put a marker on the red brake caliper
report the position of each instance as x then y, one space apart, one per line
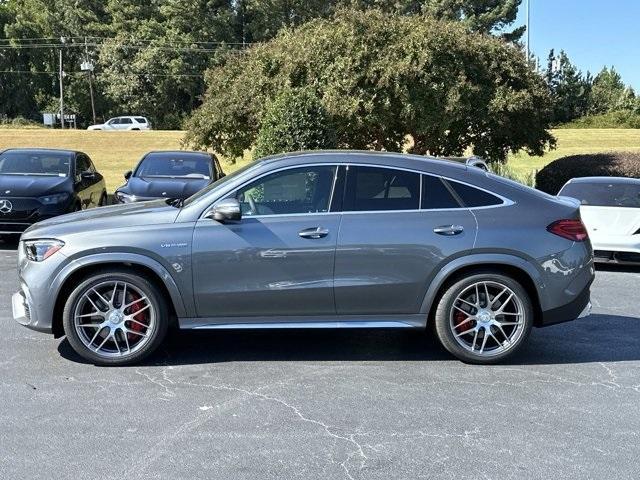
141 317
460 317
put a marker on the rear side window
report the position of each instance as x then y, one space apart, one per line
141 119
373 188
474 197
436 195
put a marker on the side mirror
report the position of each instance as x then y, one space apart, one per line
225 210
87 175
128 174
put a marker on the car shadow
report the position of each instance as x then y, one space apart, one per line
598 338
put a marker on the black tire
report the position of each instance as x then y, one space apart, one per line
445 309
154 296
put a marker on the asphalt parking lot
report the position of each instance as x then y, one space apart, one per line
324 405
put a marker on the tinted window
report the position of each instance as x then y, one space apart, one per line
114 121
604 194
34 163
474 197
125 120
373 188
82 164
299 190
175 164
436 195
141 120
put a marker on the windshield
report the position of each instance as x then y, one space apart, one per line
604 194
173 165
15 162
218 183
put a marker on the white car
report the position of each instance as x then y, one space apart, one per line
123 123
610 209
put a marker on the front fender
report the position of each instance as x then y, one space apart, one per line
124 258
479 260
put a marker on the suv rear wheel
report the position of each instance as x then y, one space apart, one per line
484 318
115 318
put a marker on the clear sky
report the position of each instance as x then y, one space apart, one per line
594 33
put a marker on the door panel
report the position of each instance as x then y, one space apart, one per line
262 266
385 260
388 249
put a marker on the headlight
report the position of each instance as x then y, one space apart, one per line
125 197
39 250
53 199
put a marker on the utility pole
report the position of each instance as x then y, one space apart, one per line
528 53
87 65
61 74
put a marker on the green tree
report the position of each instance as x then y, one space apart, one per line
48 21
608 92
153 63
295 120
261 20
384 79
570 89
483 16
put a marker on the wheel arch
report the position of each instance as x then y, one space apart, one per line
67 280
514 267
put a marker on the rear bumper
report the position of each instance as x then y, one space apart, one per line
579 307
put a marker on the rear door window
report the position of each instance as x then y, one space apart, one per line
474 197
435 194
376 189
141 120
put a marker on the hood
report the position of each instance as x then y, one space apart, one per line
102 218
154 187
601 221
33 185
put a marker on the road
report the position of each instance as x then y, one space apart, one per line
328 405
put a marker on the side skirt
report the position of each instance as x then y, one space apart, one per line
346 321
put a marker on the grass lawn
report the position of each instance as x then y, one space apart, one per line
116 152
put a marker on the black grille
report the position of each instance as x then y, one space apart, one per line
13 227
628 257
603 254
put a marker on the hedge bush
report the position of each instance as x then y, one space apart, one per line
619 119
295 120
614 164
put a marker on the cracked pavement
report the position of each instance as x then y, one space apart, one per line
328 404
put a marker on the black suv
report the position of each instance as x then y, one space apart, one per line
36 184
169 174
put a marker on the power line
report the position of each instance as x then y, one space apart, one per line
121 46
56 41
120 74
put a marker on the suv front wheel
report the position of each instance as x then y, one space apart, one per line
115 318
484 318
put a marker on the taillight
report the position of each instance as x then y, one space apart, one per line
571 229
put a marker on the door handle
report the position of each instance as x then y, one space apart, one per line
449 230
314 232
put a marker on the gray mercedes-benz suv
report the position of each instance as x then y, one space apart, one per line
313 240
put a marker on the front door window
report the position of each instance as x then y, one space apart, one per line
292 191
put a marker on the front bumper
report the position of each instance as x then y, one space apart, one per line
24 312
616 248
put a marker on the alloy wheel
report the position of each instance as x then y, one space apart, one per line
487 318
114 319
